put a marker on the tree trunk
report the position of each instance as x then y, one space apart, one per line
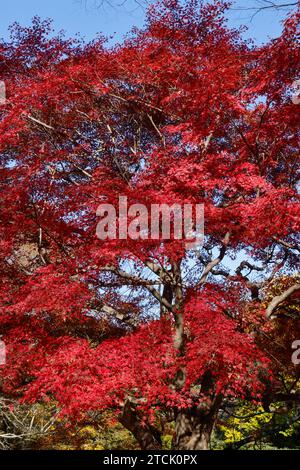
147 437
193 429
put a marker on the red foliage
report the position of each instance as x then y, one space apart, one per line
142 365
184 111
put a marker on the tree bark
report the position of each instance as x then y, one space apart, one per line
193 429
194 426
147 436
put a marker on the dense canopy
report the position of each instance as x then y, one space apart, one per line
183 111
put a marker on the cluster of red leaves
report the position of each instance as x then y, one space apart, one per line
185 111
141 365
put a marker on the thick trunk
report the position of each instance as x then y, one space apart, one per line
193 429
147 437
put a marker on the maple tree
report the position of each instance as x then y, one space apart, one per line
183 111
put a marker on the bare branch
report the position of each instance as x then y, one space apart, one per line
281 298
215 261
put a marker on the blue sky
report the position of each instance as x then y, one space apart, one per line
76 16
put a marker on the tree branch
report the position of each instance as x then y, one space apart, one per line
281 298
